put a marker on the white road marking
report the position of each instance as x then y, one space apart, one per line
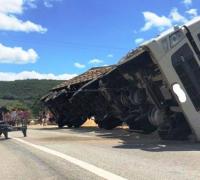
89 167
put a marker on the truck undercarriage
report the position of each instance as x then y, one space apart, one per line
136 93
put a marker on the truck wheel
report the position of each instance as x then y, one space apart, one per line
69 125
110 122
76 126
176 129
110 126
100 125
77 122
147 127
60 125
141 124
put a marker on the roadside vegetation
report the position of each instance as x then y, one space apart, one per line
25 94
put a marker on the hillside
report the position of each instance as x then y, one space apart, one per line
25 93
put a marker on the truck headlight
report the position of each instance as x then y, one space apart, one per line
179 92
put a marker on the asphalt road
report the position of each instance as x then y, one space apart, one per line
90 153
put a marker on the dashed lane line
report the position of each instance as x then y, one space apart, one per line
84 165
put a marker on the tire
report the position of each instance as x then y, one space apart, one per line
77 126
69 125
100 125
60 122
60 125
110 122
110 126
176 129
78 122
142 125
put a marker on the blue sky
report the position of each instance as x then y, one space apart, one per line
56 39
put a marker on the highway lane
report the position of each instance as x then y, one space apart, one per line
120 153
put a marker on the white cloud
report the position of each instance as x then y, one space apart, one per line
110 55
95 61
192 12
49 3
139 40
11 23
8 20
10 76
153 20
176 16
17 55
31 3
11 6
78 65
187 2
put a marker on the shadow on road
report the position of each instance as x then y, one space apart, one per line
159 145
132 140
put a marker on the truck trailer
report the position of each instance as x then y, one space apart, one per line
58 101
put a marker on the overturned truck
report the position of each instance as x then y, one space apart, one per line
58 100
155 87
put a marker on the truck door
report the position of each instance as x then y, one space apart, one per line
188 70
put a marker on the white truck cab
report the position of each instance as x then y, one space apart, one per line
177 53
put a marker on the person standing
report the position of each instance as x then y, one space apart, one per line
7 117
26 116
44 119
13 115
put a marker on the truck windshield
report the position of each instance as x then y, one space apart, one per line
188 71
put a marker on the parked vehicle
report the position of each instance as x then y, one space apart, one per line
6 126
